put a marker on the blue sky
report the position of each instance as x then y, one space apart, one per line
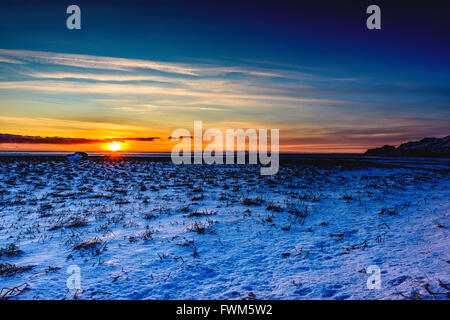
143 69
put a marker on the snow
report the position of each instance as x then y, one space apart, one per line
149 229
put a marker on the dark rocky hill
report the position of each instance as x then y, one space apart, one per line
427 147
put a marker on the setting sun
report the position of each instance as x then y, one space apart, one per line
114 146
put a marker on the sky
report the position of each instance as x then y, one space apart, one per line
138 70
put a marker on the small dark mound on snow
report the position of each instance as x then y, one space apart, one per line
427 147
77 156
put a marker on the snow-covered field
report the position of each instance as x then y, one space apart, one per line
141 229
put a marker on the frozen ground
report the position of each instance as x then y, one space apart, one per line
142 229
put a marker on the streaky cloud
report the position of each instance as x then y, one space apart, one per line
22 139
125 64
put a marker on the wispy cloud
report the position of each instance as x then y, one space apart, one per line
145 89
207 87
125 64
103 98
94 62
84 128
8 60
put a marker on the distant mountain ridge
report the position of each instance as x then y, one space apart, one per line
427 147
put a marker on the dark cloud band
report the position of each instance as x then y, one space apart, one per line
20 139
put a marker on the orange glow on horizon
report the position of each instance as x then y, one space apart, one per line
166 146
114 146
